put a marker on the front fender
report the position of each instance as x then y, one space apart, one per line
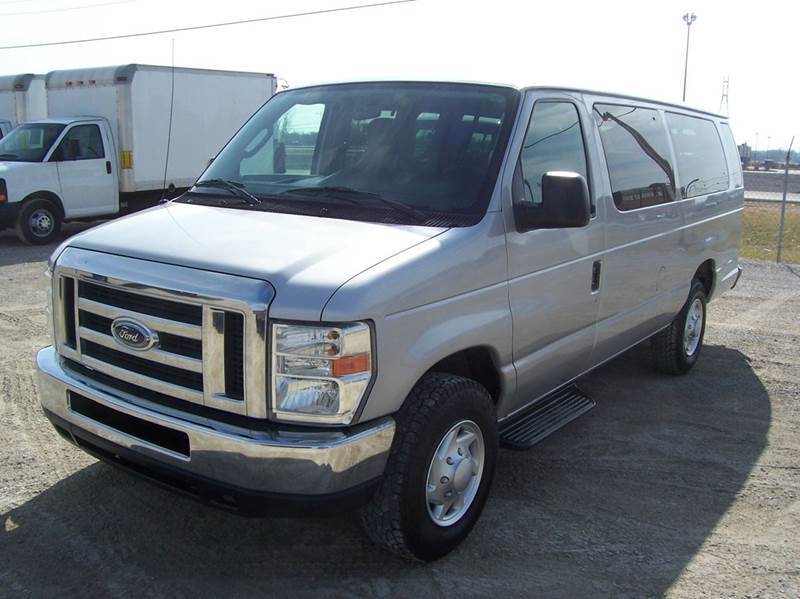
444 295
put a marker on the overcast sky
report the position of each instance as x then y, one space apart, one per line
630 47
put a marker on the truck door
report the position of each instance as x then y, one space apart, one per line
86 171
554 274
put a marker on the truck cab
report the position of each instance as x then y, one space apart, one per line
54 170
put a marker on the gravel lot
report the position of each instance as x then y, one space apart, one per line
679 486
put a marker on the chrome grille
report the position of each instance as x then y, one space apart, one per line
211 350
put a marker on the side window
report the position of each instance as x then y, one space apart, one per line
701 161
732 150
554 142
297 132
287 148
636 149
82 142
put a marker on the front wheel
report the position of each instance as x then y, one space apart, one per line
440 469
39 222
676 349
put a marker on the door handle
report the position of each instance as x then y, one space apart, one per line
108 166
596 276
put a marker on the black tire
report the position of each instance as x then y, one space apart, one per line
670 355
397 518
33 230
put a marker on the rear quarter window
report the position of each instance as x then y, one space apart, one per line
702 166
732 151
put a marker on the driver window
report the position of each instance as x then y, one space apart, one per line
82 142
554 142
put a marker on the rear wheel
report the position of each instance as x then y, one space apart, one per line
440 470
676 349
39 222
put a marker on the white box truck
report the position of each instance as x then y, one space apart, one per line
119 138
22 98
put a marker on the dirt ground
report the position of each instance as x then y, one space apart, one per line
687 487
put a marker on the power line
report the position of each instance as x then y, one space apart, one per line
209 26
68 8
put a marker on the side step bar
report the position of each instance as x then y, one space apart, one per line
544 417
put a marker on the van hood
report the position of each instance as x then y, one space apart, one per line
305 258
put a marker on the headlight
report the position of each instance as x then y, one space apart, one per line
320 373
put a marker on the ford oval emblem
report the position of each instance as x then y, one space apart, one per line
133 334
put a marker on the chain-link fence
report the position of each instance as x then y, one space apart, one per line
761 231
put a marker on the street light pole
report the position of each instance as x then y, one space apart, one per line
688 18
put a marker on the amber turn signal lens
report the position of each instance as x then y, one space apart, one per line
3 197
351 365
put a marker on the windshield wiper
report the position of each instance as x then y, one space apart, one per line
351 195
234 187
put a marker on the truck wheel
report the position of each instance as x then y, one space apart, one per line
440 469
676 348
39 222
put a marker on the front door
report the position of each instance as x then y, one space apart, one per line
86 172
554 274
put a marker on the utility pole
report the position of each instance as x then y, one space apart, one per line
688 18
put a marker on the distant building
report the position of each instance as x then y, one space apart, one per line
744 152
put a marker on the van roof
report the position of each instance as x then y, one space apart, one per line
624 97
529 88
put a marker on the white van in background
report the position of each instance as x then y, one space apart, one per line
22 98
117 138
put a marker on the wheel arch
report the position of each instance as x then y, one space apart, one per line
478 363
45 195
706 273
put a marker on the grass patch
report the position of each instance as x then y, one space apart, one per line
760 224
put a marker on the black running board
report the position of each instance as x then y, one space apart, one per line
545 417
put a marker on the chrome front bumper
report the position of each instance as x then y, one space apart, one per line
285 461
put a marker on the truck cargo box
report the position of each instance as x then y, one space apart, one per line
22 98
207 108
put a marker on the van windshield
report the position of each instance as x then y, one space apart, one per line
29 143
422 153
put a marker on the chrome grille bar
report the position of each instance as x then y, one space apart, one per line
141 380
157 355
181 329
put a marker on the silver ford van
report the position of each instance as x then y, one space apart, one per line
374 286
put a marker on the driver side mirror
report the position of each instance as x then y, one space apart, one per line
564 204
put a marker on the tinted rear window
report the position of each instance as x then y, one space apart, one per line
637 150
701 161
